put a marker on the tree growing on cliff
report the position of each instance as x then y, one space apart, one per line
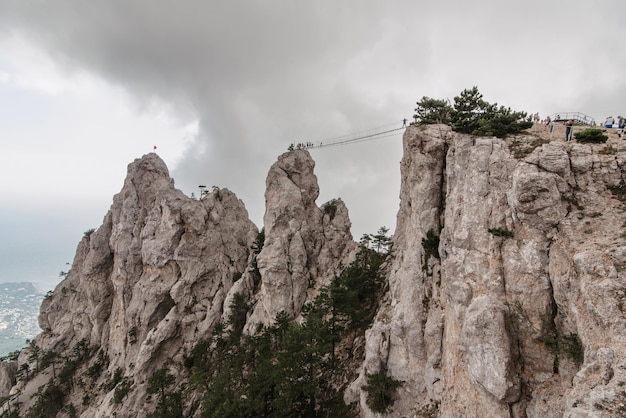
471 114
379 242
170 402
291 369
591 135
475 116
470 111
380 390
430 111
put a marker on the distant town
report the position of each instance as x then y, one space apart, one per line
19 310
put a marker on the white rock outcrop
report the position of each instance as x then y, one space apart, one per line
528 325
145 286
305 246
162 270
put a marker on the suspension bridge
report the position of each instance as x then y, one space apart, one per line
371 134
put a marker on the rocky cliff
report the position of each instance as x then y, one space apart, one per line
504 293
520 312
159 274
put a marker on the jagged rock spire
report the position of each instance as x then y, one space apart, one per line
147 285
304 245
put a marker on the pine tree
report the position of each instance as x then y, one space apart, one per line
471 114
431 111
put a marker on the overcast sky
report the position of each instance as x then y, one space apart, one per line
222 88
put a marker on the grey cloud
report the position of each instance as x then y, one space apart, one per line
258 75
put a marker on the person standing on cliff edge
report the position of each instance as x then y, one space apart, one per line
568 130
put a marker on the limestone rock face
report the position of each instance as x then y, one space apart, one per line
489 357
304 245
7 377
522 315
145 286
505 291
162 271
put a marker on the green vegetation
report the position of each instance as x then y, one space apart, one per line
560 344
429 411
102 361
380 389
591 135
330 208
8 403
49 358
430 111
619 191
379 242
170 404
49 401
132 335
471 114
34 354
115 379
12 356
121 390
257 247
521 147
431 245
608 150
88 232
500 232
554 340
50 398
290 369
570 345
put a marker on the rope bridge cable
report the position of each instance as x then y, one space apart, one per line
378 128
365 138
354 137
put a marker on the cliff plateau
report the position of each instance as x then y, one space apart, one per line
504 293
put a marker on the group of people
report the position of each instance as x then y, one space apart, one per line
534 117
608 124
569 125
302 145
548 122
621 122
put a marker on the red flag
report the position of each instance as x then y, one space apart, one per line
155 147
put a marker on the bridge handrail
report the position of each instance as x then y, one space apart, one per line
574 116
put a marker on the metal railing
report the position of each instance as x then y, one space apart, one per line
575 117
